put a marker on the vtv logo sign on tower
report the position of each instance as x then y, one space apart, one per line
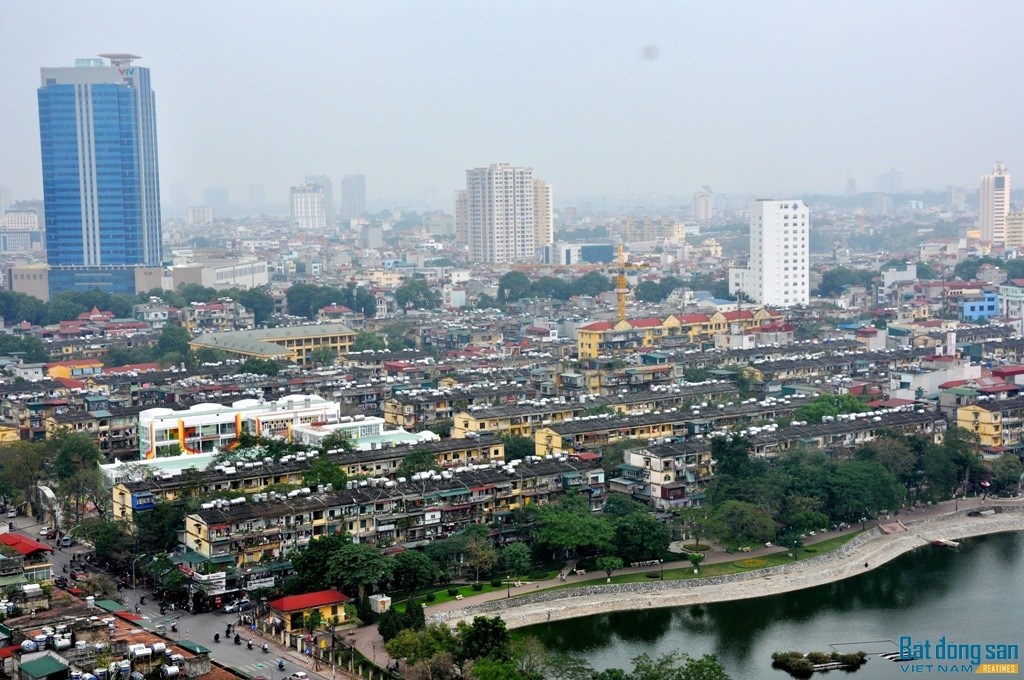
127 71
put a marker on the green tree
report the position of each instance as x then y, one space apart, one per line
313 564
620 505
591 284
300 299
640 537
737 522
551 287
29 349
366 340
75 451
173 340
480 556
157 529
515 558
609 565
194 292
677 666
260 302
22 465
417 460
517 446
359 566
322 355
260 366
1006 472
485 637
648 291
416 294
485 301
834 280
859 487
513 286
829 405
324 471
695 559
569 526
413 570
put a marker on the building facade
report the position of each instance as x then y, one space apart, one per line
994 204
353 196
703 206
325 184
544 212
777 272
308 211
206 428
500 208
97 128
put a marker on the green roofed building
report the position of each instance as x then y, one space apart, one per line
45 667
291 343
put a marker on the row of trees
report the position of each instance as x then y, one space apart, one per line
516 286
68 305
306 300
806 490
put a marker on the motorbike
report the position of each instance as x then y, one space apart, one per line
249 644
142 600
216 637
280 665
266 649
174 627
238 639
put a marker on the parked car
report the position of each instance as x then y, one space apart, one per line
67 542
45 530
299 675
13 512
52 533
237 606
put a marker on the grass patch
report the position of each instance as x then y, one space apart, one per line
725 568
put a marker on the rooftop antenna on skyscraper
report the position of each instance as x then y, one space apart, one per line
119 59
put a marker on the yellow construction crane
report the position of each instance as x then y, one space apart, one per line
621 284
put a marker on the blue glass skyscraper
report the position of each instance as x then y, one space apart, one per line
97 128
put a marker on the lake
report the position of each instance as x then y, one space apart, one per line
972 596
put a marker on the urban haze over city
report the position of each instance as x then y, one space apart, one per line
380 330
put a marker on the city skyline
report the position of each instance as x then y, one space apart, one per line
825 104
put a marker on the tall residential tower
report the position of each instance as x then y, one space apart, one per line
101 182
994 204
307 207
500 212
778 270
353 196
543 212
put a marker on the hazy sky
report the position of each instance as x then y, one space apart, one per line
599 97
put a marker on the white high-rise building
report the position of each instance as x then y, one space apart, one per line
325 183
544 212
703 206
460 208
198 216
308 207
777 272
6 199
994 204
500 211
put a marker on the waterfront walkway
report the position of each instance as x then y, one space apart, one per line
948 520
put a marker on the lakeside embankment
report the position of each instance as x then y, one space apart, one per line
866 551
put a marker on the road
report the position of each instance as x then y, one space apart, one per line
198 628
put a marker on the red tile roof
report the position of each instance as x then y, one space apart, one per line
645 323
294 603
599 326
693 318
738 314
24 545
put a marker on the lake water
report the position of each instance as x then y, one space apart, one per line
973 596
